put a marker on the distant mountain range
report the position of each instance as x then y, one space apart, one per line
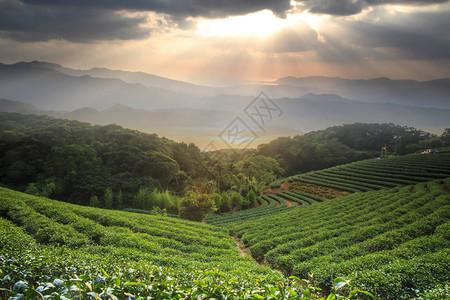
48 88
434 93
194 113
52 86
201 126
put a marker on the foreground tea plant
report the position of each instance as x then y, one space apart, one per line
212 284
55 250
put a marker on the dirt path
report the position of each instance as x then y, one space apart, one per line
312 189
270 191
243 251
285 185
288 202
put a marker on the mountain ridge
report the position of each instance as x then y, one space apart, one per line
431 93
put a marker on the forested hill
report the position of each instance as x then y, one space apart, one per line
347 143
113 167
71 161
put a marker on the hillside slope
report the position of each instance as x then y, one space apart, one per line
327 184
394 242
43 239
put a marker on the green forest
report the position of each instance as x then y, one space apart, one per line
113 167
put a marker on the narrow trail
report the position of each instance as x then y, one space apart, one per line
243 250
285 185
313 190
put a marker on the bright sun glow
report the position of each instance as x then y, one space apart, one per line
262 23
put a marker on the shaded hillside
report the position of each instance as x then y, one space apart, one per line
73 161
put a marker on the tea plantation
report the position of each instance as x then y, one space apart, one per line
375 174
362 176
393 242
388 233
54 248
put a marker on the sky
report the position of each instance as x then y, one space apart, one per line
221 42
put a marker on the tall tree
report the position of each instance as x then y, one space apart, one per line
108 198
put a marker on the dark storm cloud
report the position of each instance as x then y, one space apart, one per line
37 23
335 7
184 8
88 20
351 7
379 35
425 36
93 20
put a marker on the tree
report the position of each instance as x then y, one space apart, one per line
119 200
180 181
260 167
108 198
94 202
196 206
141 199
252 198
225 204
32 190
446 136
41 190
217 200
236 200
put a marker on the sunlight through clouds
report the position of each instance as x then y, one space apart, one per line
261 23
235 39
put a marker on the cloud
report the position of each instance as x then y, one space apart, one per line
335 7
351 7
98 20
87 20
418 35
37 23
185 8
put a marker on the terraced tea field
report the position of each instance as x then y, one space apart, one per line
43 239
382 224
394 242
375 174
389 229
362 176
269 205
